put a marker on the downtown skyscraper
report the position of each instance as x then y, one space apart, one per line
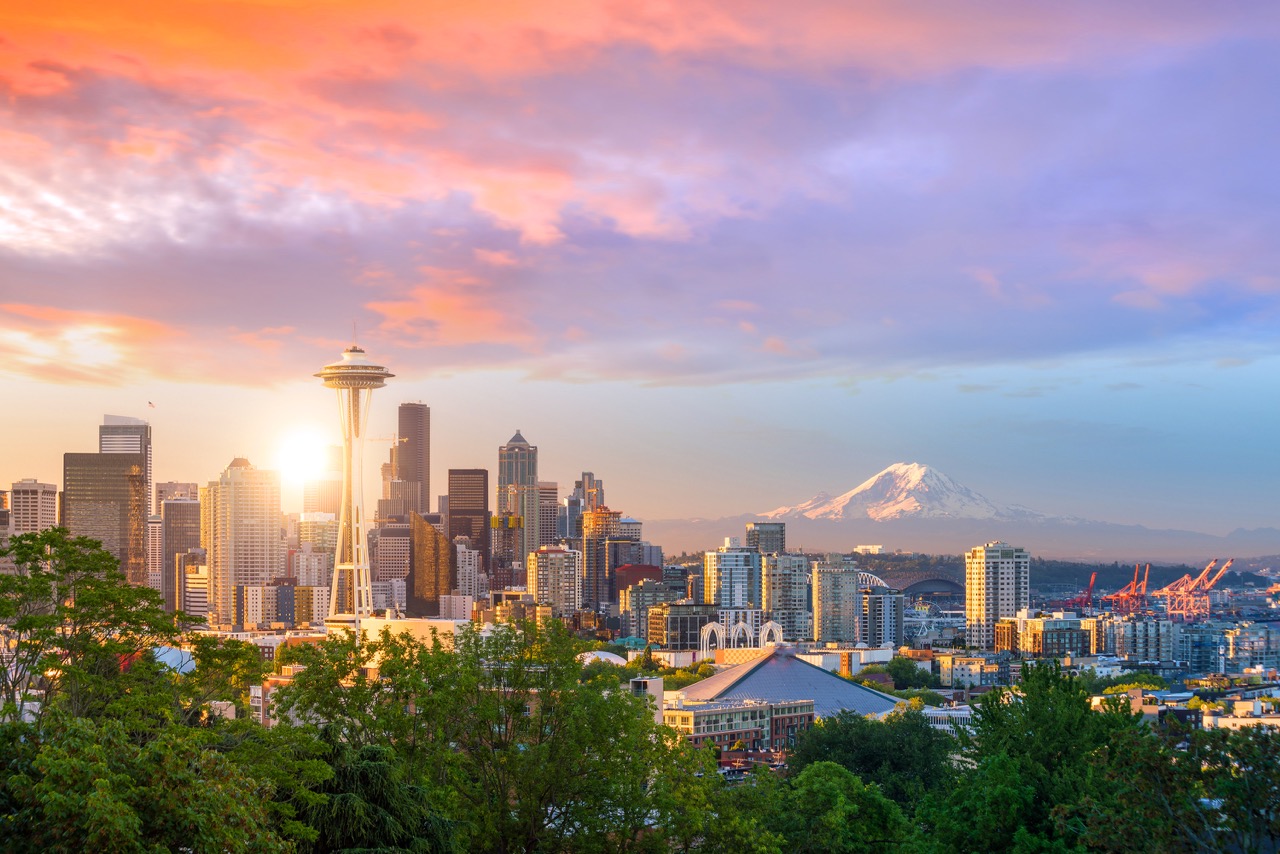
120 434
598 527
469 515
104 497
179 535
241 532
413 454
518 499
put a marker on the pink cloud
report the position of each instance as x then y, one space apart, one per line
453 309
496 257
391 149
63 345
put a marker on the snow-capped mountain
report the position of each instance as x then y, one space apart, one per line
912 506
903 490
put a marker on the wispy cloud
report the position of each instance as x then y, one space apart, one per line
722 192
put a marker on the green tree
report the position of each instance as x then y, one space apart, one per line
902 754
224 671
1032 748
985 811
826 808
528 756
1240 772
907 674
89 786
69 623
1146 798
370 803
740 818
289 765
1094 684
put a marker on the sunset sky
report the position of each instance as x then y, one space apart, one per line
723 254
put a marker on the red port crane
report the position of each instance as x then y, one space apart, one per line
1132 598
1083 602
1188 598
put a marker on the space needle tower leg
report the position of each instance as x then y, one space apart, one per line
354 378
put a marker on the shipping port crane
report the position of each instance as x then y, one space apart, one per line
1188 598
1083 602
1132 598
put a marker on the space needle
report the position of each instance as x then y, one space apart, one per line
351 592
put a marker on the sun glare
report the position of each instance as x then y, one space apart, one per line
301 455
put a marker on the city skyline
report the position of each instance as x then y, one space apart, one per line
727 259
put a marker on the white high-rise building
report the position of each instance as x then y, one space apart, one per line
195 597
155 551
786 594
997 582
555 579
243 536
33 506
471 578
837 602
390 552
732 576
548 512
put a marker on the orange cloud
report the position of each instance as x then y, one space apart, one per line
261 60
269 38
61 345
454 309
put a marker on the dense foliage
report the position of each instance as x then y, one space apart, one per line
507 743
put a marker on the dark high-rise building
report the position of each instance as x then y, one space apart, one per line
679 626
105 497
768 538
120 434
469 509
413 454
433 568
179 533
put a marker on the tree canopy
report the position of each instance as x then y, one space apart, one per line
503 741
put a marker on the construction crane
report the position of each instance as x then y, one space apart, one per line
1188 598
1132 598
1083 602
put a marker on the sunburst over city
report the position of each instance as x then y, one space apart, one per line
927 354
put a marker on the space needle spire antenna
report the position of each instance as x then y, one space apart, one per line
351 592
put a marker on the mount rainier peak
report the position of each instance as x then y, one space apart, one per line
903 490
